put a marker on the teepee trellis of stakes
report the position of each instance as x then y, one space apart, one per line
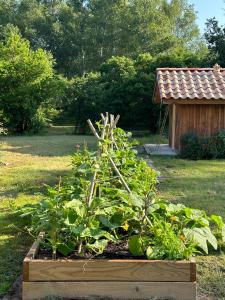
106 132
109 123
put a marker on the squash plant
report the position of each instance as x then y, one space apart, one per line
111 198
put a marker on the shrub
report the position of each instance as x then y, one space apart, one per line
191 146
123 86
43 118
217 144
83 99
196 147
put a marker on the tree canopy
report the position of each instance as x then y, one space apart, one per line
106 52
81 35
215 36
123 86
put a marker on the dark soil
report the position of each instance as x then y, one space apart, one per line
112 251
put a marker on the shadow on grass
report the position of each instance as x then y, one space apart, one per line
58 145
36 183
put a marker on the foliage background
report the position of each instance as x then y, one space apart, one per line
106 53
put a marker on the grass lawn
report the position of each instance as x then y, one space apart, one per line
38 160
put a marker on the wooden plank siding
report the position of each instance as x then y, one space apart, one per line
198 118
110 270
170 124
110 290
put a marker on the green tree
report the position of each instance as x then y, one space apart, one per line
182 18
82 34
26 81
7 11
83 100
215 36
125 86
128 86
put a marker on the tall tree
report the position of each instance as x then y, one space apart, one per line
82 34
26 81
182 17
215 36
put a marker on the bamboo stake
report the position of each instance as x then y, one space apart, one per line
93 129
93 181
112 127
110 122
92 188
103 117
116 121
104 127
119 174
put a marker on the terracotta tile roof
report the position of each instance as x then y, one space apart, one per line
187 83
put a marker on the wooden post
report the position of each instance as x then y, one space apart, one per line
173 125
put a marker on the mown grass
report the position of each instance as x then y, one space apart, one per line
199 184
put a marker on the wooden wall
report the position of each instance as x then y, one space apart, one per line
204 119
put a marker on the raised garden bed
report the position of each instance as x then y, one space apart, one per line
107 279
102 224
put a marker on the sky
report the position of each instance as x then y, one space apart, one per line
208 9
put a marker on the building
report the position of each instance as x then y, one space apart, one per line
195 99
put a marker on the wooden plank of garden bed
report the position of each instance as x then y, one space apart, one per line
110 290
109 270
34 248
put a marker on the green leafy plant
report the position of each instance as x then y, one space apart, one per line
191 146
110 198
217 144
196 147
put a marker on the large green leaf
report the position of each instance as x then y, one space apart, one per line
210 237
198 236
135 244
114 221
65 249
175 208
98 246
98 233
155 252
77 206
78 230
218 220
136 200
71 217
104 220
201 236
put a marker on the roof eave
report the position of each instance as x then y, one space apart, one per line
193 101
